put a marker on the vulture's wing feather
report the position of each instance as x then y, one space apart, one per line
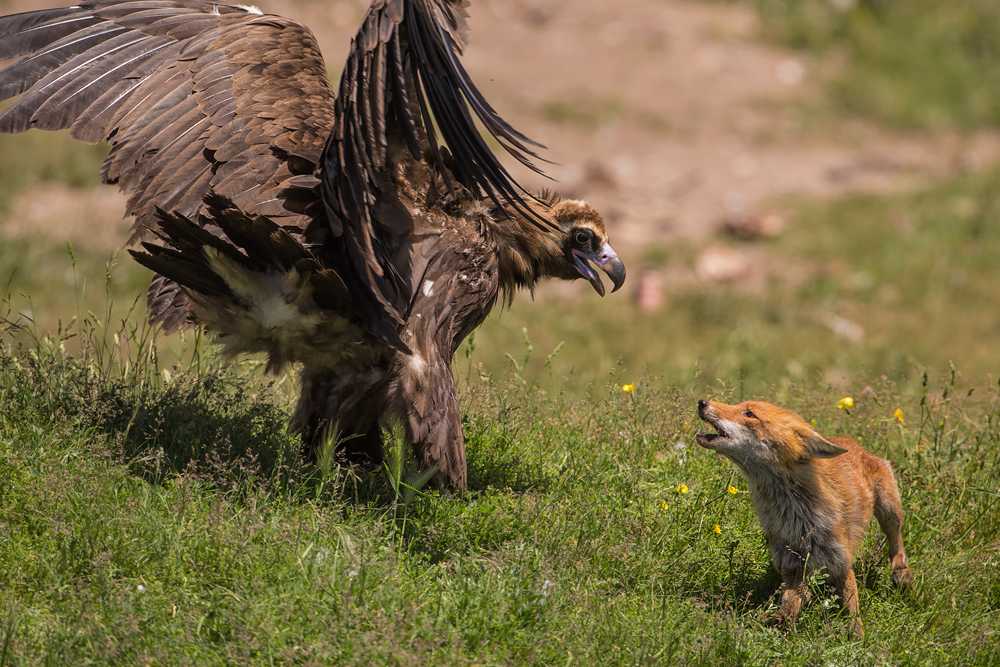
169 262
403 82
259 291
192 96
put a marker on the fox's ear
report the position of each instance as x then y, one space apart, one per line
816 446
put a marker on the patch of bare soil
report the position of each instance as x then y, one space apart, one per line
670 115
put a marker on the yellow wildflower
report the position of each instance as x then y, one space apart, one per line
664 506
898 414
687 427
682 488
628 387
846 403
716 529
732 489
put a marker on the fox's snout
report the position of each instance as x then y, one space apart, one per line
710 415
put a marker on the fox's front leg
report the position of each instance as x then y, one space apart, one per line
793 594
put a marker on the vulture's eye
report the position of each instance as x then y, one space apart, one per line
583 236
749 415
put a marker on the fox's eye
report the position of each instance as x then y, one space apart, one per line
749 415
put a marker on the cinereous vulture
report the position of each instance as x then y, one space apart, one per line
361 235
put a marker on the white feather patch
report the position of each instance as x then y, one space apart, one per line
417 364
250 9
428 288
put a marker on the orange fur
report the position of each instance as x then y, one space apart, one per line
813 496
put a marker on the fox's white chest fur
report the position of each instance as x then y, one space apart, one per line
797 521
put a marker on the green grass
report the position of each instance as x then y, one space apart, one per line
153 509
167 522
914 64
916 272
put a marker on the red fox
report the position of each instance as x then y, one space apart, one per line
813 496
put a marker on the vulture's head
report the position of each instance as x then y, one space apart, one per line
583 244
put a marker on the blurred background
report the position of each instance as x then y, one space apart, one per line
802 190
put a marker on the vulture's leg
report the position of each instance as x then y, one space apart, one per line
344 409
425 393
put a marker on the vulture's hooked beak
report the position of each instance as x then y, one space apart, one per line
608 260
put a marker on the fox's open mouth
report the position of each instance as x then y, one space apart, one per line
705 439
708 415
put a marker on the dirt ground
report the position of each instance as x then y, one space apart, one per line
672 116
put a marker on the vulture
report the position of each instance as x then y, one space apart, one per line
360 234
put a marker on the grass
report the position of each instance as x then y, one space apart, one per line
914 64
153 509
914 273
152 521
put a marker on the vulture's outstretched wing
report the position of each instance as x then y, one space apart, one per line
192 97
403 82
197 97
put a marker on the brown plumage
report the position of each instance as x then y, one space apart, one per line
345 233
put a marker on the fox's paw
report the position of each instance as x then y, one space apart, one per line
779 621
902 578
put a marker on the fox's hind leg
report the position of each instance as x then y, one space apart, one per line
889 512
